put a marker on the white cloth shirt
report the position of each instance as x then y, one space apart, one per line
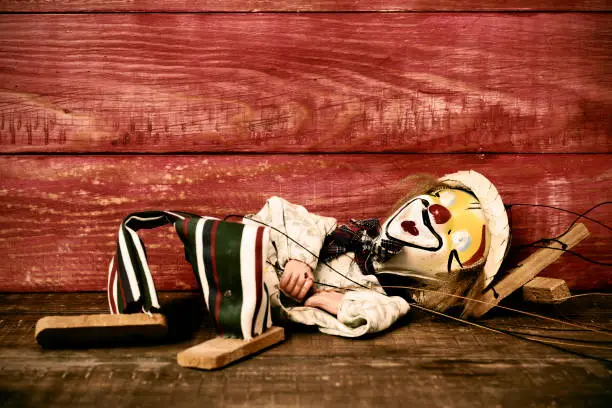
361 310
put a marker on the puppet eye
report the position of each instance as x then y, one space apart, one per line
461 240
447 198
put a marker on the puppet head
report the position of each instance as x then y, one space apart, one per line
456 228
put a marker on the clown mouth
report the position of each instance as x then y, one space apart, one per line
481 249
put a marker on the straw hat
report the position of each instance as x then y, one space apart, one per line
494 212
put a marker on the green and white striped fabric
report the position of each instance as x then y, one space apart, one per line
228 260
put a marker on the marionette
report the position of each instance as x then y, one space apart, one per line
441 246
448 234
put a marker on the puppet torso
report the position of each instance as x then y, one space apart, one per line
298 234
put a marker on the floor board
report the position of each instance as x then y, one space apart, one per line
422 361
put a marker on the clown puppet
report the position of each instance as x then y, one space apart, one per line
448 235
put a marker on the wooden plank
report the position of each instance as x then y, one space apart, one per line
98 329
311 381
375 82
528 269
298 6
219 352
59 214
478 368
545 290
184 314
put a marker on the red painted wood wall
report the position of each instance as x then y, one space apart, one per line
110 107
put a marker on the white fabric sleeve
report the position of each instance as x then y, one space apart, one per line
360 312
308 229
367 311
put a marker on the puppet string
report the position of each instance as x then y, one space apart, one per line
507 332
563 322
447 294
414 288
580 215
513 309
569 251
509 208
298 243
537 338
540 335
529 337
563 248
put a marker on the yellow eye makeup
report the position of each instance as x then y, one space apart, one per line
464 221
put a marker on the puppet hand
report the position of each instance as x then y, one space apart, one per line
328 301
297 279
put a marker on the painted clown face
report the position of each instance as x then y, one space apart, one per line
441 232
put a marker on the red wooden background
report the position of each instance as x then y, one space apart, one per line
104 112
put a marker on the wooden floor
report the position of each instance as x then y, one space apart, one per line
423 361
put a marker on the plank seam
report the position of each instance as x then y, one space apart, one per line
311 153
297 12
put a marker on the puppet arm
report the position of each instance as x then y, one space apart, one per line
361 307
326 300
359 312
371 309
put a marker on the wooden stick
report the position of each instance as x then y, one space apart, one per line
525 272
219 352
57 331
545 290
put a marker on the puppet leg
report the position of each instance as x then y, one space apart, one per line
227 258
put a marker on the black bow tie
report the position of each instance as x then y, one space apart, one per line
360 237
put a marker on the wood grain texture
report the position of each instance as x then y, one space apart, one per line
59 215
545 290
219 352
95 329
298 5
376 82
421 359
